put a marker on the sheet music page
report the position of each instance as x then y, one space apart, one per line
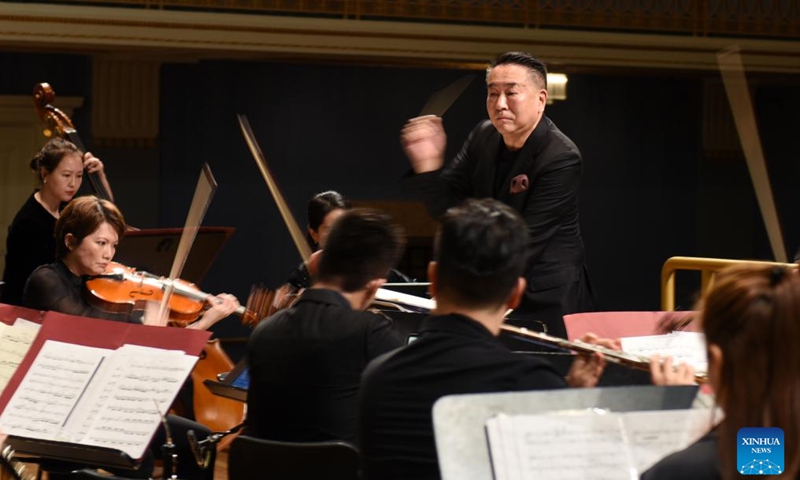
684 347
124 414
502 452
46 397
104 383
15 341
654 435
567 447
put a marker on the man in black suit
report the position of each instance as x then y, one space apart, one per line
521 158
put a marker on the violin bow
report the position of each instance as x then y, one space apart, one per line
733 77
303 248
203 193
294 229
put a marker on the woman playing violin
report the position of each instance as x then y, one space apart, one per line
59 168
86 237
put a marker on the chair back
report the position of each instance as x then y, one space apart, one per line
253 458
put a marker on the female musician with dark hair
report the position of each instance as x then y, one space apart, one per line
750 319
323 209
59 169
86 236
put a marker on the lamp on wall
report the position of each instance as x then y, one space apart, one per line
556 87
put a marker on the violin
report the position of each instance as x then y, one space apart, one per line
58 123
122 289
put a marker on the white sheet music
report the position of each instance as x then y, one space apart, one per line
116 403
684 347
15 341
47 395
576 446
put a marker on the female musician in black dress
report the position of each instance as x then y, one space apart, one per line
86 236
751 321
59 167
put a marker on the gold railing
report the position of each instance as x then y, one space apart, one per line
708 268
751 18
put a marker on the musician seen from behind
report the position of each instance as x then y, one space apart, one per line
86 235
306 362
480 254
59 169
521 158
750 320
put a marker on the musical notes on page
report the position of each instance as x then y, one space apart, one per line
684 347
50 390
15 341
588 444
97 397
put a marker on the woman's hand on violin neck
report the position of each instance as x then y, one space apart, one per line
220 306
93 164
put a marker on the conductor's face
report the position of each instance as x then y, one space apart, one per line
515 102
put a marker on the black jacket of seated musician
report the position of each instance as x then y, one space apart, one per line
453 355
305 368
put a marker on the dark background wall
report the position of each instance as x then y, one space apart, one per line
650 190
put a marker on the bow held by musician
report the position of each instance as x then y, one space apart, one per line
86 236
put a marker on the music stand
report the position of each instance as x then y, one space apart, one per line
153 250
233 385
459 420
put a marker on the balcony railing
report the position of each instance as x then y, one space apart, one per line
749 18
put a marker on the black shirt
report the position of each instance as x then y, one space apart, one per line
54 287
453 355
699 461
30 243
305 368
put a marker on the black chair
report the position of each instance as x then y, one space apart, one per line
253 458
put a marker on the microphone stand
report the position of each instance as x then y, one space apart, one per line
205 450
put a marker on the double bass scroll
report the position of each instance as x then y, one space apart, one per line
58 123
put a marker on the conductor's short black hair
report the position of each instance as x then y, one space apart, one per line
536 67
481 249
362 245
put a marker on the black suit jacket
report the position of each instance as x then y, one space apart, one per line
553 167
